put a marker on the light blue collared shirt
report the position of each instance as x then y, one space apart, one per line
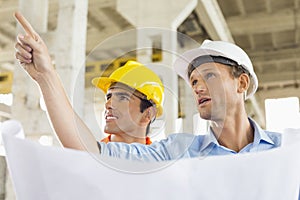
184 145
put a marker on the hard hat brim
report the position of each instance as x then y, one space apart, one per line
103 83
182 62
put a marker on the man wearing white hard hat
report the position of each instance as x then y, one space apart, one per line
221 76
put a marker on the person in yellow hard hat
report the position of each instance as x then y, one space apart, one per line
134 96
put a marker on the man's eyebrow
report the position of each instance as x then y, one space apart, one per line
118 94
122 94
203 71
212 69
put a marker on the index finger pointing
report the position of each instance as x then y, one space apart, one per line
25 24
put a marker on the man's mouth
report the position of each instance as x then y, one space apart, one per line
203 101
110 117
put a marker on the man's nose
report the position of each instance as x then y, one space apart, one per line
108 104
200 87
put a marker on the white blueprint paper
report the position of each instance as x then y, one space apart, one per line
54 173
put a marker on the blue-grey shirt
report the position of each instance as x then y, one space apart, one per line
184 145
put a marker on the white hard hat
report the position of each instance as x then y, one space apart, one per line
217 48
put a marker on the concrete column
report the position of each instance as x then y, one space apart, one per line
156 23
26 106
70 40
36 12
9 189
2 177
67 45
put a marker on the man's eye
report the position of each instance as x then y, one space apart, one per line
123 97
193 82
108 97
209 75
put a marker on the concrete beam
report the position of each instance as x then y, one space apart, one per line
213 20
99 42
260 23
241 7
279 78
279 92
274 56
115 18
7 8
101 3
171 13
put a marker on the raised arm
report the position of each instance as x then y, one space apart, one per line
32 53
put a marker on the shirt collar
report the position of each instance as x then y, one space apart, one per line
259 135
209 139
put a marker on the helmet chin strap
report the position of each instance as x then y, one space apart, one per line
154 110
154 116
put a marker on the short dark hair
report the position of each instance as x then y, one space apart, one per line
143 106
238 70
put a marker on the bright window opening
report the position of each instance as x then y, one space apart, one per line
282 113
6 99
200 126
46 140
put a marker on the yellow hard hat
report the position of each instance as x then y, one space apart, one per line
138 77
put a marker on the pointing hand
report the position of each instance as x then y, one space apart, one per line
31 51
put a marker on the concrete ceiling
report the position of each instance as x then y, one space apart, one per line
268 30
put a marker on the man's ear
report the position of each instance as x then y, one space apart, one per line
149 114
243 83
